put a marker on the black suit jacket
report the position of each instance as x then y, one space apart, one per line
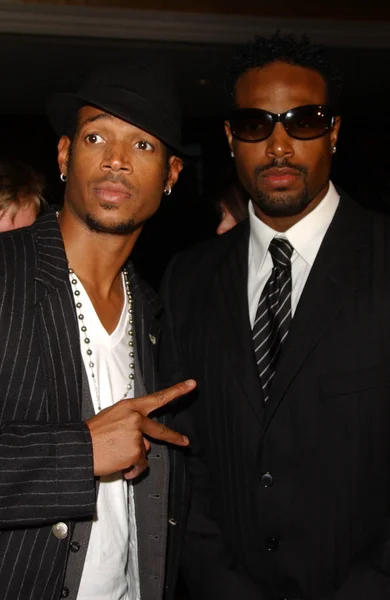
46 462
290 499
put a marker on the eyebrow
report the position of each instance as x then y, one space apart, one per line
98 117
104 115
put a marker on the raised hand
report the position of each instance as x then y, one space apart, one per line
118 431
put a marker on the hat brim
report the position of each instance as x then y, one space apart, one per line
62 108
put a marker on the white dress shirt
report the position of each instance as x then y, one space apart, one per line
305 237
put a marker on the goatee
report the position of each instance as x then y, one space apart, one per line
121 228
282 205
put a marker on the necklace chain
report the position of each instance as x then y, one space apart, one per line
87 341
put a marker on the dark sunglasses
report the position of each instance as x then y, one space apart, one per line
302 123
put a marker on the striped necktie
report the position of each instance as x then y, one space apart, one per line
273 314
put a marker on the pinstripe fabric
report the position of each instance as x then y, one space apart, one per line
46 466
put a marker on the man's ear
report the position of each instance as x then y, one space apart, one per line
334 133
63 154
229 135
175 166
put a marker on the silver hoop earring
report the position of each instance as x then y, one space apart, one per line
232 154
63 177
334 149
168 190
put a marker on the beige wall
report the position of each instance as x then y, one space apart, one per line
375 10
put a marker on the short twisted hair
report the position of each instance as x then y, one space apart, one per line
290 49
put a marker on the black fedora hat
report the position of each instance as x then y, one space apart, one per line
141 93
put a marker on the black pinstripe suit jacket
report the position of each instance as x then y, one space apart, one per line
46 464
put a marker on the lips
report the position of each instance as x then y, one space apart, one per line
283 177
112 192
280 172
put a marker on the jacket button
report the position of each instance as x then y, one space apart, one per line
271 544
60 530
267 479
74 546
172 521
64 592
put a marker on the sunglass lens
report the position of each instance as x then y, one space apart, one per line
251 125
308 122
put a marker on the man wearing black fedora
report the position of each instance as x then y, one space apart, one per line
90 504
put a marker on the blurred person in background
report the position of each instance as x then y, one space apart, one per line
232 202
21 195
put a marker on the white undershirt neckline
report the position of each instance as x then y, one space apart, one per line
111 565
102 342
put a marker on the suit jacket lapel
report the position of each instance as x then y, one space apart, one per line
232 309
58 322
333 277
146 311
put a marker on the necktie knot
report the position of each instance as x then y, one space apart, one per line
281 251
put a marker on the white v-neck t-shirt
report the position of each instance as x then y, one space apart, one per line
111 565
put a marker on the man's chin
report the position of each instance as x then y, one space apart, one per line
281 203
110 226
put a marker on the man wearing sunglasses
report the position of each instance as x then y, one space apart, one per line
285 324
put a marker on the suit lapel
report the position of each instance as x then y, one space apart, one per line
232 308
146 311
333 278
58 323
151 517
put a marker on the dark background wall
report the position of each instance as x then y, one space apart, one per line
348 9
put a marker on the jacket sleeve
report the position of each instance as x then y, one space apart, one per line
209 569
46 474
46 468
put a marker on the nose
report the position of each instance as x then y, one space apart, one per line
117 157
279 144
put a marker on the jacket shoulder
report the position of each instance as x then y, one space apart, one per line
357 211
199 262
17 250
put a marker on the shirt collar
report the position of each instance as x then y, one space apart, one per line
305 236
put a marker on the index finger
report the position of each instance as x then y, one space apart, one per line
152 402
161 432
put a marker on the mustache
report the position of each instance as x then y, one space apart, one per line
280 164
116 178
